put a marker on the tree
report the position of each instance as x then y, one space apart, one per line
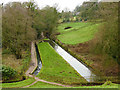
106 40
88 10
17 30
22 23
50 19
46 21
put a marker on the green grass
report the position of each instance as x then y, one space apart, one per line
100 86
18 84
44 85
74 25
55 68
79 33
46 39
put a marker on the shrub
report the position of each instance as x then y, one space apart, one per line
85 19
8 73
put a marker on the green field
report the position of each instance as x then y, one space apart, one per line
79 33
46 85
55 68
18 84
102 86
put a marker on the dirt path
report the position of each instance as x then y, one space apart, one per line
33 63
37 79
30 84
33 66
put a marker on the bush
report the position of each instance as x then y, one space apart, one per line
85 19
107 83
80 19
8 73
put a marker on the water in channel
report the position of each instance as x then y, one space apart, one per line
38 61
82 69
78 66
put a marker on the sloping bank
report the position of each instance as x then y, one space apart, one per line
55 68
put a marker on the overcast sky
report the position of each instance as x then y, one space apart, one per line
62 4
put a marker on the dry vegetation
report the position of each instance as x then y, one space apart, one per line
101 63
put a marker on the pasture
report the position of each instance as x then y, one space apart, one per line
79 33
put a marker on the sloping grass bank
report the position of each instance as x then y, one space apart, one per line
112 86
84 48
79 33
46 85
55 68
18 84
73 25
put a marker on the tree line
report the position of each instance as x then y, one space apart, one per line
106 39
23 23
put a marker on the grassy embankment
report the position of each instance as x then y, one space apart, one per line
45 85
48 67
79 33
78 40
77 36
55 68
112 85
18 84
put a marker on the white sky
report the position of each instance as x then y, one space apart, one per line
62 4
